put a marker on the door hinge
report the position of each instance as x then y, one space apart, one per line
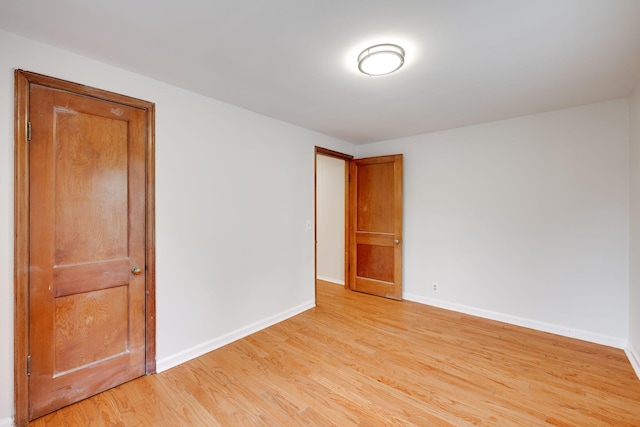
28 131
28 365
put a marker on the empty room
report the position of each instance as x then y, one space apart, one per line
250 212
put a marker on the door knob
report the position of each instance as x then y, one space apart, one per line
136 270
396 241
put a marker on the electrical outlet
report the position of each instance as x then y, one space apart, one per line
435 287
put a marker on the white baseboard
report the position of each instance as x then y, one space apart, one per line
331 280
526 323
634 358
6 422
200 349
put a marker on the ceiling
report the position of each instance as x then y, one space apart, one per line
467 61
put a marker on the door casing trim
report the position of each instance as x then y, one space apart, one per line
23 81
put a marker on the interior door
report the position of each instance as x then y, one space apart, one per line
376 226
86 246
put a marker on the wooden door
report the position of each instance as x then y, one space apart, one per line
376 226
87 174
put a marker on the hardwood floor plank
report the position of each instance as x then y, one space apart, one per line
362 360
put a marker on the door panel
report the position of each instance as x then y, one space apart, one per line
87 182
376 226
375 261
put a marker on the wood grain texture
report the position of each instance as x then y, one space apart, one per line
24 82
375 226
357 359
21 248
375 262
87 206
98 317
90 169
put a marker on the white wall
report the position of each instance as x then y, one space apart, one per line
634 264
523 220
330 180
234 191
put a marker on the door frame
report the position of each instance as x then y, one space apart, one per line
347 166
23 80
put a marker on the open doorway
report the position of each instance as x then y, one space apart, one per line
330 220
331 201
358 213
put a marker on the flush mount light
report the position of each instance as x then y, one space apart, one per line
381 59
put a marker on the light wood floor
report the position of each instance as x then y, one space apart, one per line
363 360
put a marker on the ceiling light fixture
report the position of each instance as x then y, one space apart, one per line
381 59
